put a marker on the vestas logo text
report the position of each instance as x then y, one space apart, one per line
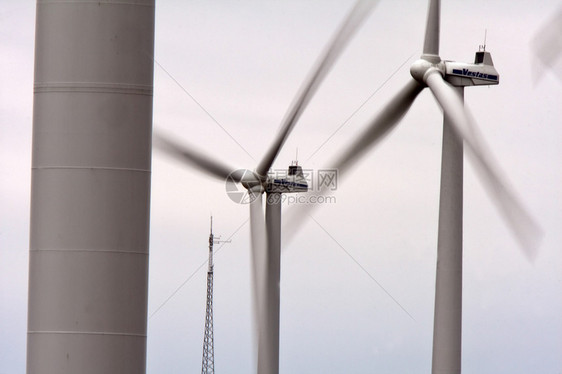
475 74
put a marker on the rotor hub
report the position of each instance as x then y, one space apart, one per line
252 182
425 66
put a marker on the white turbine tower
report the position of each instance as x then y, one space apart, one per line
90 191
266 231
446 80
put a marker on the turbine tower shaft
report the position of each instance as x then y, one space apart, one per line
90 187
447 331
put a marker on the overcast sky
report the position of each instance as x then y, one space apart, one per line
243 62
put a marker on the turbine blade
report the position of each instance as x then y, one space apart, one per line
431 41
195 158
310 85
378 128
547 46
519 220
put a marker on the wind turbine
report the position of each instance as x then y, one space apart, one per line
446 80
266 231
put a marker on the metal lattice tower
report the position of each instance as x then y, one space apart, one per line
208 365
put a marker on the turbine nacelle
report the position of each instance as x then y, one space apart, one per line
294 182
459 74
481 73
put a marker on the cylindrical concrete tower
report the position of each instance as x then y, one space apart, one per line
90 195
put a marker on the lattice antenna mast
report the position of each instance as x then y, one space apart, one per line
208 365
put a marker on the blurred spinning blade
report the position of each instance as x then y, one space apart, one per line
309 87
375 131
195 158
519 220
547 45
